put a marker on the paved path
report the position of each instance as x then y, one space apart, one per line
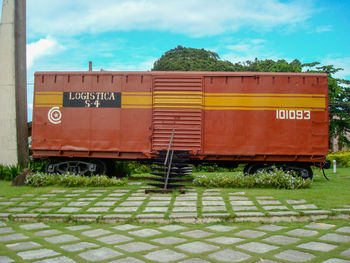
123 204
134 243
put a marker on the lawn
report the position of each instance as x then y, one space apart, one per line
325 194
227 236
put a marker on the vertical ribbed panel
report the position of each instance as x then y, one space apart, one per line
177 104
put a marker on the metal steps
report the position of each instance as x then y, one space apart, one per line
170 168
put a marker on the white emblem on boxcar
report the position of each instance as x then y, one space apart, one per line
54 115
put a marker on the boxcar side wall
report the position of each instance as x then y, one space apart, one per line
92 115
266 117
216 115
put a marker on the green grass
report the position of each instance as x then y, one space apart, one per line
325 194
255 257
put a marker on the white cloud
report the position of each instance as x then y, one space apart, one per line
41 48
247 45
339 62
320 29
191 17
248 49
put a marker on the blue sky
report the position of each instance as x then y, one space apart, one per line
132 34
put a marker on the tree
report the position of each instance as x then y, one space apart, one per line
192 59
269 65
339 103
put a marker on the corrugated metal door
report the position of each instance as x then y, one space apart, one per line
177 104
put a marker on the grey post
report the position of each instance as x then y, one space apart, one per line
13 84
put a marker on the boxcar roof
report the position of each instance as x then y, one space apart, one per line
193 73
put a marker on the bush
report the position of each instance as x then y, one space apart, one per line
211 168
276 179
8 172
342 158
71 180
37 165
136 167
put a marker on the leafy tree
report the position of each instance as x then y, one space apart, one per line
269 65
192 59
339 103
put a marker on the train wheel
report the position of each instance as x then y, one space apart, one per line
251 169
101 167
305 172
302 171
76 167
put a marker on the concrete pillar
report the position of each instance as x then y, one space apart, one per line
13 84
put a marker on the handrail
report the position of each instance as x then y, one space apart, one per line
170 161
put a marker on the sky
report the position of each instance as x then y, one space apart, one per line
131 35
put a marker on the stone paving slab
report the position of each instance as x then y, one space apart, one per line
114 239
250 233
23 245
147 232
105 202
78 246
172 228
99 254
345 229
4 259
197 247
165 255
136 247
196 234
37 254
229 255
302 232
257 247
48 232
61 239
62 259
127 260
4 230
34 226
314 225
283 240
294 256
169 240
225 240
271 228
346 253
318 246
96 232
221 228
335 238
12 237
214 241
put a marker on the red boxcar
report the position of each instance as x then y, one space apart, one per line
232 117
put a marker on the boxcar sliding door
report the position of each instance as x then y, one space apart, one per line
177 104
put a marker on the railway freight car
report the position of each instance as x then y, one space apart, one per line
83 119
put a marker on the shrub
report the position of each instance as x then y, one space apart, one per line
342 158
276 179
37 165
210 168
136 167
8 172
71 180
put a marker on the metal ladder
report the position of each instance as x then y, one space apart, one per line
169 170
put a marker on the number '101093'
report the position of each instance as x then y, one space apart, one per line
293 114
